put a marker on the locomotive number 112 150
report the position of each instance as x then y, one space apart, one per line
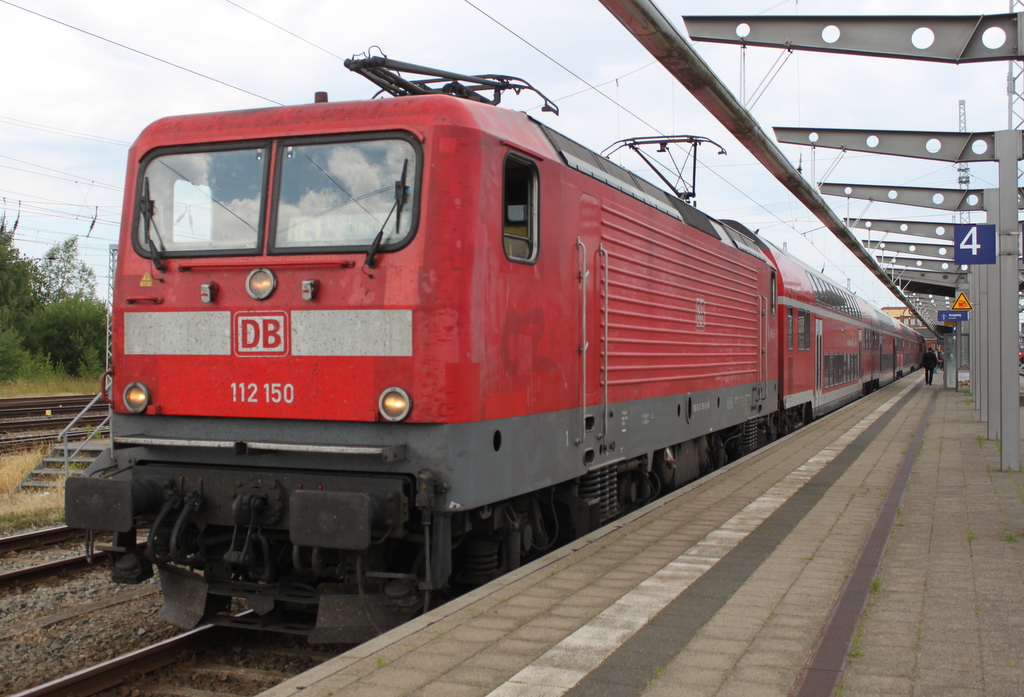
272 392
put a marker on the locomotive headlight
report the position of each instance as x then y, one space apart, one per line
394 404
136 397
260 284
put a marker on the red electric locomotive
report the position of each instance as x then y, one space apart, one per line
367 351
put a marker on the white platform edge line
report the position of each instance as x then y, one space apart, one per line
539 678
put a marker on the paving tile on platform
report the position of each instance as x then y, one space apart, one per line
405 680
475 676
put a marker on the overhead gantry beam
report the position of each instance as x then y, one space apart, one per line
923 282
945 39
916 228
920 264
939 252
663 41
946 146
925 197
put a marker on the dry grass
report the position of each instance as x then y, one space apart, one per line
25 509
50 385
15 466
34 508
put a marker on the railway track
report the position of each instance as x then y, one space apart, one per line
55 423
114 672
38 538
208 653
23 442
24 422
231 661
40 572
23 407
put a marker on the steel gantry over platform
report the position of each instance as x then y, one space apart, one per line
949 39
655 33
944 39
989 331
939 38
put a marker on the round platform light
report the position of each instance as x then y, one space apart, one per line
260 284
136 397
394 404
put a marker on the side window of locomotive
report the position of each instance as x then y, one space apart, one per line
789 328
201 202
520 212
345 196
775 292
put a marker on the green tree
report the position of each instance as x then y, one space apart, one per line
14 359
71 333
17 276
62 275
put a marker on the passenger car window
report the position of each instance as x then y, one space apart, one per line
519 209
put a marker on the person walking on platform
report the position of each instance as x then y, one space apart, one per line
929 362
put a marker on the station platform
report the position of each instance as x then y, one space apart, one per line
878 550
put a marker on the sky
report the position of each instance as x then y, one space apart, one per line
83 79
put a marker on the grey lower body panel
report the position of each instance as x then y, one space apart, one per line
479 462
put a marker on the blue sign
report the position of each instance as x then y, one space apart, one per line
974 244
953 315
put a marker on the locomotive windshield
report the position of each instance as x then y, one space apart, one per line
202 201
342 196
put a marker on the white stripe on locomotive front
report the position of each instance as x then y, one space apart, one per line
313 333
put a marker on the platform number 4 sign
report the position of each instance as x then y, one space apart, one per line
974 244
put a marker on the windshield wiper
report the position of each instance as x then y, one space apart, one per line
371 255
148 209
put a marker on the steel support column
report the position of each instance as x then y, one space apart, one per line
1008 153
964 344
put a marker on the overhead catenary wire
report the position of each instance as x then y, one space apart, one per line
242 20
141 53
826 257
638 118
52 205
563 67
594 87
286 31
30 212
61 131
67 176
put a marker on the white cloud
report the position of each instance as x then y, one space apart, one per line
61 78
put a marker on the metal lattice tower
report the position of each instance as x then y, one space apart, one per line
1015 113
963 178
107 380
1015 83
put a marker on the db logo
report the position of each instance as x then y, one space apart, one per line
260 333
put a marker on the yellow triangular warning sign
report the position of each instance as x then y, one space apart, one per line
146 280
961 303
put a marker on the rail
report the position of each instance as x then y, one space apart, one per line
110 674
31 406
26 540
38 572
